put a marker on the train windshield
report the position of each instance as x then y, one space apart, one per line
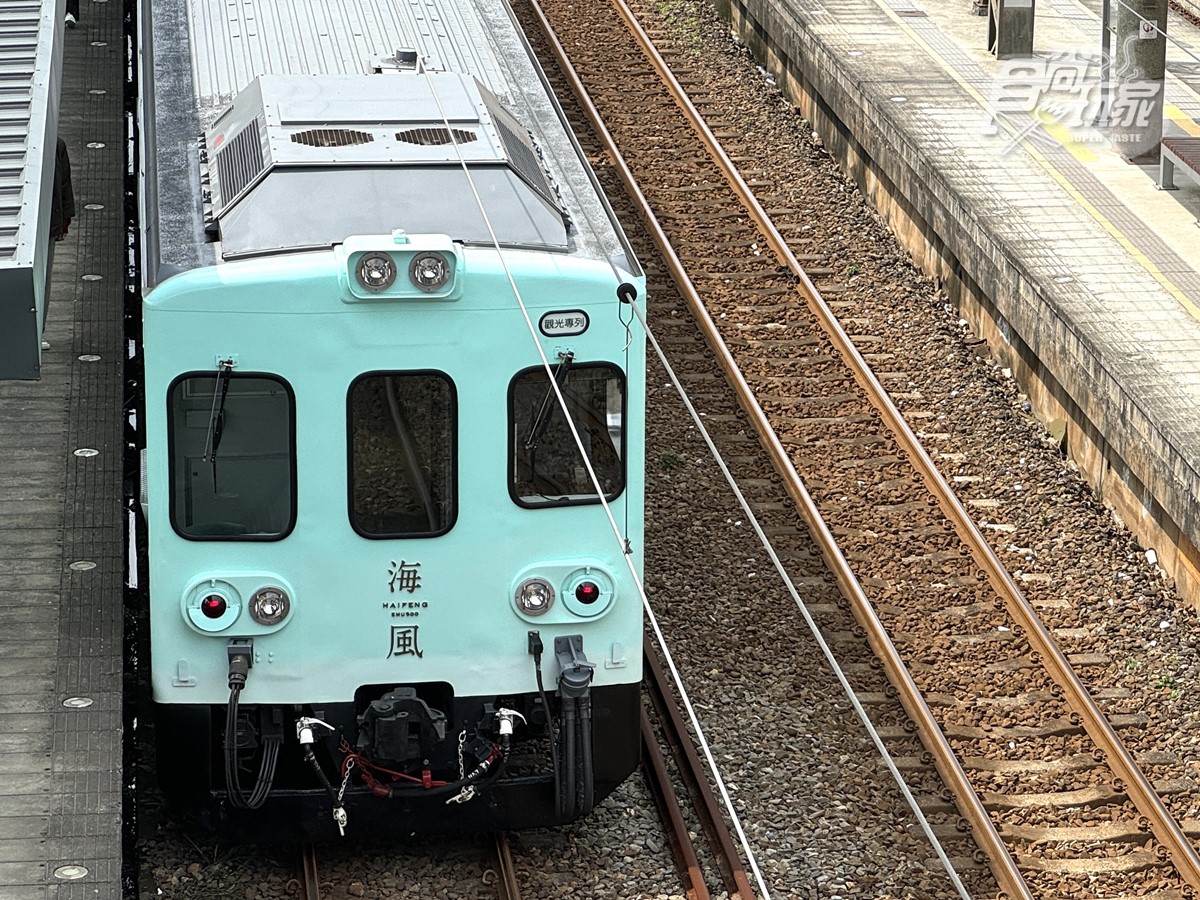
402 454
546 467
232 456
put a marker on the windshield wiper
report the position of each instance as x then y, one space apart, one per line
542 420
216 420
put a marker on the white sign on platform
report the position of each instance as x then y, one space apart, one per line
1148 30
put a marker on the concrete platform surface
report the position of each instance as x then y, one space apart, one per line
62 531
1082 274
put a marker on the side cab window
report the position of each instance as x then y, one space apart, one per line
545 465
232 445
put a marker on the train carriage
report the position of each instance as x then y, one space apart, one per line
393 391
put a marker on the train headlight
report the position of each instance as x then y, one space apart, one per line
534 596
429 271
270 606
376 272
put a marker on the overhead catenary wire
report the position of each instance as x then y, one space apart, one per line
621 538
830 658
660 638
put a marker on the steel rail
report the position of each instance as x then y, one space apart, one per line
660 786
310 886
507 880
1000 862
694 775
1131 779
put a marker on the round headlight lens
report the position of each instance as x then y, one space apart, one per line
534 596
429 271
270 606
376 272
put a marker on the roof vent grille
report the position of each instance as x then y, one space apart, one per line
332 137
433 137
239 162
524 159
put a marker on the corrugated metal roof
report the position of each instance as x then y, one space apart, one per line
19 60
236 42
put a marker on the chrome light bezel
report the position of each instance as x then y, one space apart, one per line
375 272
270 605
527 593
420 266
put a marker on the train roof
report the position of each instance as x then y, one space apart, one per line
302 162
326 118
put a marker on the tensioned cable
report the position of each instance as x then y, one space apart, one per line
1170 40
622 541
653 619
847 688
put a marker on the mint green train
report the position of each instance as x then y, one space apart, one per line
393 417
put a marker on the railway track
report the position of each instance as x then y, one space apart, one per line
1039 775
726 858
499 873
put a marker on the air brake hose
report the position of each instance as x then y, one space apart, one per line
489 768
585 751
568 730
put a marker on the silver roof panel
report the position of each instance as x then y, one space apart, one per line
233 43
204 53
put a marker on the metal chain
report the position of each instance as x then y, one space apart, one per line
345 780
467 792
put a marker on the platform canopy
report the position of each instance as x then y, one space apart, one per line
31 47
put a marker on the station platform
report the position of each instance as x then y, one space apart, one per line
62 529
1080 272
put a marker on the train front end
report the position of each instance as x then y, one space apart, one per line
383 588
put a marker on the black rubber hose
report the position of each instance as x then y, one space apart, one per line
485 771
569 773
312 760
585 752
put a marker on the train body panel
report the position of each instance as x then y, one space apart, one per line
389 370
340 630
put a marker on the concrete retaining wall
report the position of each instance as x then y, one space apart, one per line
1142 470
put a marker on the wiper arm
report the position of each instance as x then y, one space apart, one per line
216 420
542 420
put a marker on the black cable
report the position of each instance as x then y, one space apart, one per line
239 665
233 784
537 667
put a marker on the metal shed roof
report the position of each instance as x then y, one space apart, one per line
18 66
30 76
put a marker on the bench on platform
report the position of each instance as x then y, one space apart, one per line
1181 153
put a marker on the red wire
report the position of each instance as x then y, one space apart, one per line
368 770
